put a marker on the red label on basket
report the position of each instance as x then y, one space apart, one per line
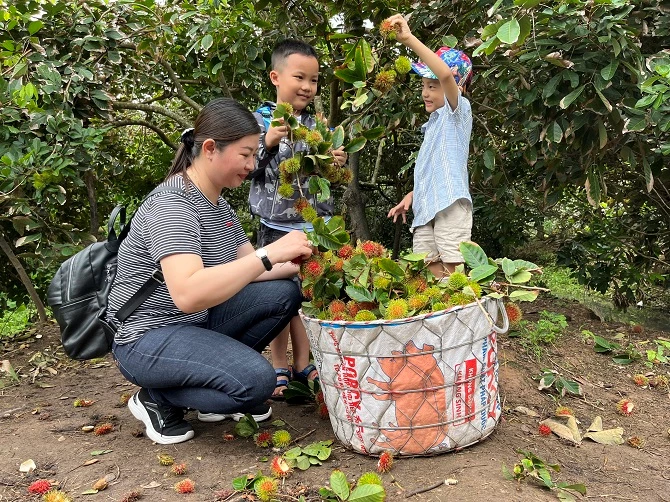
463 402
347 380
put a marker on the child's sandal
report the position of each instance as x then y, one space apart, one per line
303 376
278 394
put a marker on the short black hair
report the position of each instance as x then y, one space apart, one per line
290 46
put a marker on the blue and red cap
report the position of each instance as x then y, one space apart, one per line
458 61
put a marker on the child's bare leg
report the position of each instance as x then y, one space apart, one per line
278 349
438 270
300 345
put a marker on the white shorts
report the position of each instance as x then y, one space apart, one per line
442 235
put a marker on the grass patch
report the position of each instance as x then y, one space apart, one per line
15 319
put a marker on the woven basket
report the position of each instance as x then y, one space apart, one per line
418 386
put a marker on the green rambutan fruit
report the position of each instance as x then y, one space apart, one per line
396 309
439 306
344 176
300 204
266 488
384 80
291 165
459 299
416 284
309 214
381 282
365 315
417 301
288 107
476 288
403 65
281 438
457 281
300 133
433 292
313 138
369 478
286 190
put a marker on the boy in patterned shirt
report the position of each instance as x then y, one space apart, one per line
441 198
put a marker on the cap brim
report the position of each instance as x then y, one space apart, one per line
422 70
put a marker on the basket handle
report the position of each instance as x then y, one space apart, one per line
500 306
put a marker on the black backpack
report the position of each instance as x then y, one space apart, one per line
79 290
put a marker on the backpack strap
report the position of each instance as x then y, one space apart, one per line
156 279
266 113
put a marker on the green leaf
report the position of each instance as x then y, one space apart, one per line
607 104
240 483
491 29
347 75
489 158
293 453
414 257
392 268
359 294
509 32
339 484
206 42
449 40
608 71
473 254
373 133
520 277
100 452
524 295
570 386
34 27
567 100
527 4
368 59
367 493
554 132
482 272
551 86
361 100
303 463
338 137
355 144
508 267
635 123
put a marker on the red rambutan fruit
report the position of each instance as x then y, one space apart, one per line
312 268
40 487
345 252
323 411
263 439
544 430
625 407
133 496
279 467
102 429
514 313
178 469
387 30
385 462
184 486
372 249
337 307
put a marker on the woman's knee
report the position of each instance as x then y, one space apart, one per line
288 291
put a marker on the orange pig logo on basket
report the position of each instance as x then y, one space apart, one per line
416 387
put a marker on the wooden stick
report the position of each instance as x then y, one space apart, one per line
425 489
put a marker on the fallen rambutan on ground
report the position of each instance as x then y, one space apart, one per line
635 442
40 487
640 380
184 486
279 467
179 469
544 430
103 429
385 462
625 407
564 411
263 439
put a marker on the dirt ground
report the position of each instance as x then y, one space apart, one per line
38 421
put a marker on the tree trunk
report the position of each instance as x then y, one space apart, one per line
89 179
7 249
355 204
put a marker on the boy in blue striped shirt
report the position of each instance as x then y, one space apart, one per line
441 197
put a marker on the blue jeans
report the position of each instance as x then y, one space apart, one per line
217 367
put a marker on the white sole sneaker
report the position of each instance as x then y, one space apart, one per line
219 417
140 413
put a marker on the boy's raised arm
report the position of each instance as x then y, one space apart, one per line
432 60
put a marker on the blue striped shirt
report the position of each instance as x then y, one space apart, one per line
441 170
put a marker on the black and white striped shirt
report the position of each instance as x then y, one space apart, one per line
170 223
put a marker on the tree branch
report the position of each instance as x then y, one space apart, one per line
148 125
180 90
124 105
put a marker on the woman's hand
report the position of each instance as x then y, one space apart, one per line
293 245
340 156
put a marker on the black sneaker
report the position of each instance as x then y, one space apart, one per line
164 424
260 412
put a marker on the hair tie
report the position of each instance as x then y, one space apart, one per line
188 137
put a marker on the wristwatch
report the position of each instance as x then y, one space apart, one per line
263 255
